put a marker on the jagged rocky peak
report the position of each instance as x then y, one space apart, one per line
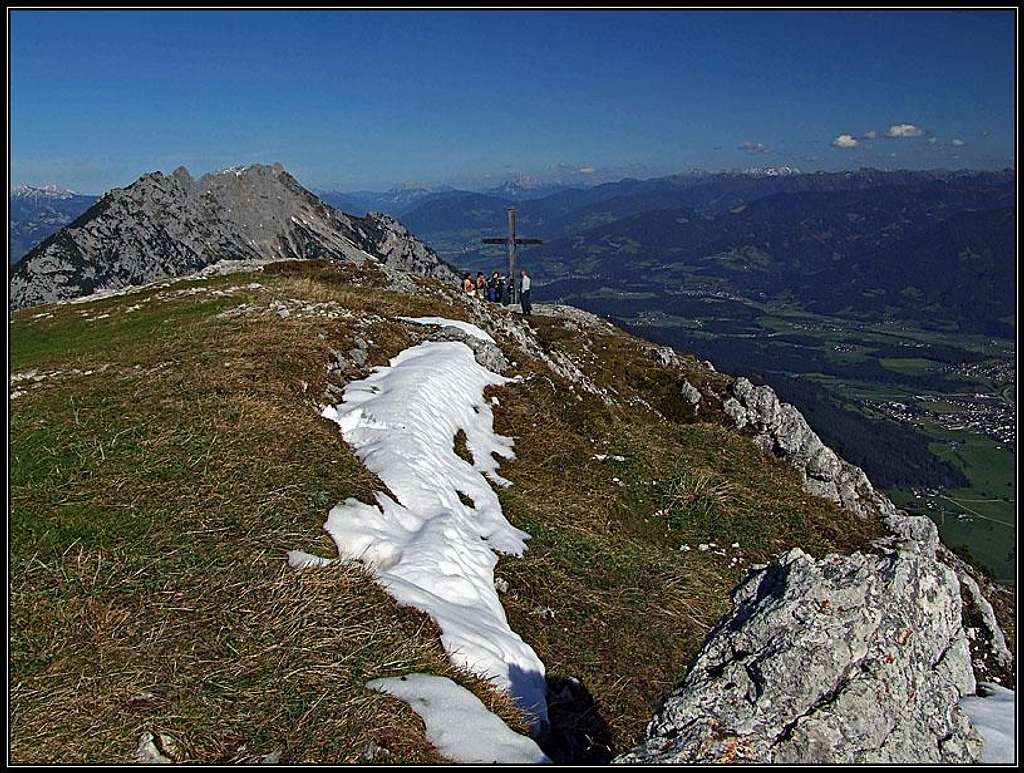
171 225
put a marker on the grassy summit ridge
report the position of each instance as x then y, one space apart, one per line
166 454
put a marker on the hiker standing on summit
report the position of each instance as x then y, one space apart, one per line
524 294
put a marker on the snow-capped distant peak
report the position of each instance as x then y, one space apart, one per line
771 171
43 192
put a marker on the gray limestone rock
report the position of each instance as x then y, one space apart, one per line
845 659
485 353
358 356
665 355
396 248
154 749
780 429
691 394
993 661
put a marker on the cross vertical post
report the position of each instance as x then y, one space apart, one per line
512 243
512 251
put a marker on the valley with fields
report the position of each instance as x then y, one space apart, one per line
930 416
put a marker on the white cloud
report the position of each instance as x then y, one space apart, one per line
845 141
586 170
959 142
904 130
932 140
753 148
871 135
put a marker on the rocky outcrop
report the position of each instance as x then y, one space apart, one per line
993 661
172 225
485 353
517 331
780 429
691 394
844 659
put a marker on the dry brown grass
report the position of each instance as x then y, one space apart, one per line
151 508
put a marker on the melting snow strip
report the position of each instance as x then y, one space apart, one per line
433 546
458 725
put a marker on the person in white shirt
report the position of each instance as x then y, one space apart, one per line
524 294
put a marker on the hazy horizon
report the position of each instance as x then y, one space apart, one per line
498 181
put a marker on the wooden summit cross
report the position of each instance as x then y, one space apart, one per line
512 242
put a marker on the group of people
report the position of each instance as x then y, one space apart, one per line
498 289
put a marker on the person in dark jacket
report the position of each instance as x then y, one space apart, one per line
503 289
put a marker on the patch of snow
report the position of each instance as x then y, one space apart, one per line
458 725
466 327
992 713
26 375
426 547
300 559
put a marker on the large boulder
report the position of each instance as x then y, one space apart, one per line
844 659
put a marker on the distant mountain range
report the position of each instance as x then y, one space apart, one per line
403 199
935 246
171 225
395 201
38 212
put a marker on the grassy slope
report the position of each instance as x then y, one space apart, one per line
153 502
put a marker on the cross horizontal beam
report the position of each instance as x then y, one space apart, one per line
516 241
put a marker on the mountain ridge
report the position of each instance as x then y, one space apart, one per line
167 225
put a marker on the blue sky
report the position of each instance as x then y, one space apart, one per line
354 100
